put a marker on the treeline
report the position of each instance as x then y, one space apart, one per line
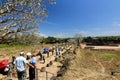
51 40
106 40
30 39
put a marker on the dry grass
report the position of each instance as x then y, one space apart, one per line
94 65
7 51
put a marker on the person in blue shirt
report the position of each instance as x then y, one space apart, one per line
20 63
31 69
46 51
57 51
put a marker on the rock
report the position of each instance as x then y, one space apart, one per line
60 73
51 63
43 69
47 65
56 59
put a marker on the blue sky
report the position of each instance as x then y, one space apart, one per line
87 17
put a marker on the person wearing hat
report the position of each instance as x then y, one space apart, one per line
20 63
31 69
28 55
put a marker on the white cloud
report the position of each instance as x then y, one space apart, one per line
80 33
50 23
104 33
61 35
44 35
112 33
116 24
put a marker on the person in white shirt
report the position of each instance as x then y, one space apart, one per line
20 63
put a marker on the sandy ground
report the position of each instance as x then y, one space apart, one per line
101 47
52 69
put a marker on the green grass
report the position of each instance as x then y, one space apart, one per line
7 49
10 46
4 46
108 55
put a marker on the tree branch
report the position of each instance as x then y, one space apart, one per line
9 32
5 28
3 11
4 21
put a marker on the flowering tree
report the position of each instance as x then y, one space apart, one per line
21 15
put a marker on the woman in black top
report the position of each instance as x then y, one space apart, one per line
31 69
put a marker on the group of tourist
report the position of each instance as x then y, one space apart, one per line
21 62
45 52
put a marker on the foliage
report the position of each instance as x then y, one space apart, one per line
107 40
51 39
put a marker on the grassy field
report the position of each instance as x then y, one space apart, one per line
6 51
94 65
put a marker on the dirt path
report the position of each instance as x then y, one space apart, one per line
100 47
52 70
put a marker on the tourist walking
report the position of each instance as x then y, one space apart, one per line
57 51
31 69
20 63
